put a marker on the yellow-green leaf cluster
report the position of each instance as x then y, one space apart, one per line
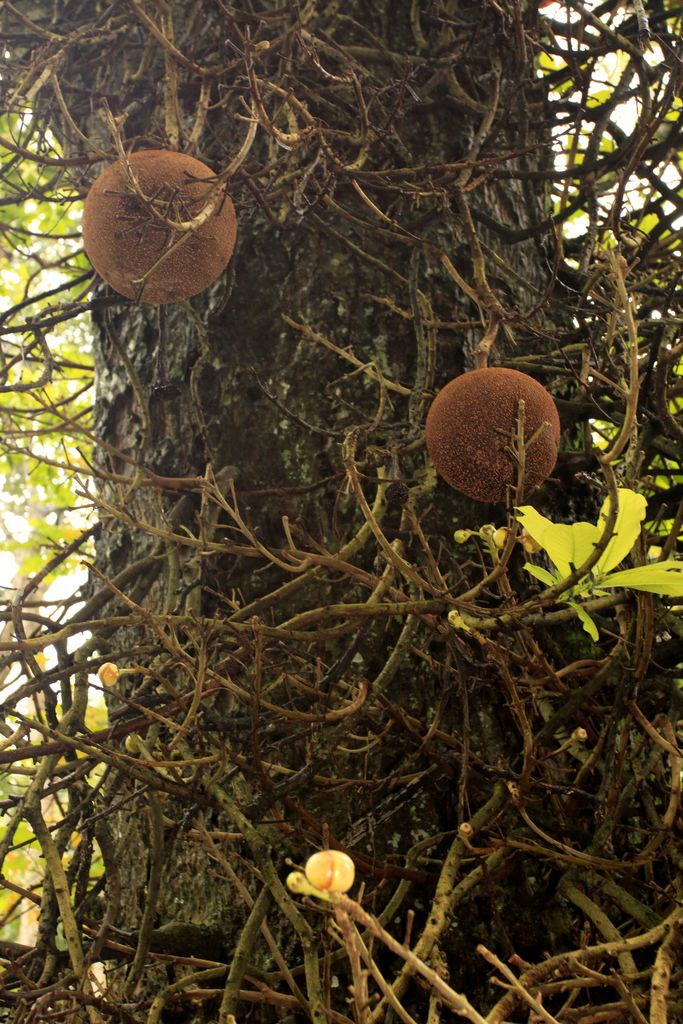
570 547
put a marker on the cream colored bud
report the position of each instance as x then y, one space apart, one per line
580 735
296 881
500 537
131 744
108 673
330 871
529 544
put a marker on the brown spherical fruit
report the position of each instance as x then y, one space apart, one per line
123 239
472 422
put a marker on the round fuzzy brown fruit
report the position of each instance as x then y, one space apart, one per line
472 422
123 239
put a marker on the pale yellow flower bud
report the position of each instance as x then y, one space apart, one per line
108 673
529 544
500 537
330 871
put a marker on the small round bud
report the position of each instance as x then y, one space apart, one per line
500 537
108 673
529 544
462 536
580 735
466 830
131 744
330 871
296 881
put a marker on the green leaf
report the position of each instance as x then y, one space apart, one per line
630 514
596 99
648 222
567 546
541 574
586 621
658 578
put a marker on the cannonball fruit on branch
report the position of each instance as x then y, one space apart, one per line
124 239
471 426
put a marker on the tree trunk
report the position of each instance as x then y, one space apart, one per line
316 261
